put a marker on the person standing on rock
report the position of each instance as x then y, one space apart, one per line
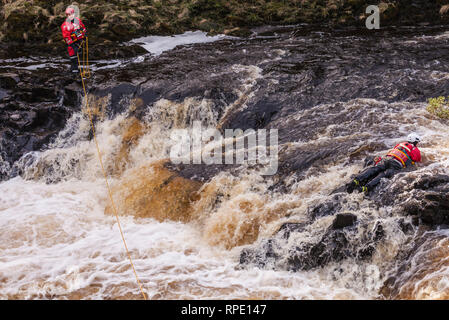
403 155
73 31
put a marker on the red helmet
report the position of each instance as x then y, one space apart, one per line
69 11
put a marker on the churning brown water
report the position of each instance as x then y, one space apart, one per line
59 239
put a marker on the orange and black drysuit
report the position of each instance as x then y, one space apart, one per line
401 156
73 32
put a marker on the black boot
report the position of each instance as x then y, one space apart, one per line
74 65
352 185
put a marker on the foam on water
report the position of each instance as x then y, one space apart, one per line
158 44
57 243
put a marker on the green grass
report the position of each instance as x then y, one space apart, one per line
21 17
439 107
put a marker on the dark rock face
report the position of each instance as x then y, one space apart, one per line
8 80
338 243
287 228
424 197
35 108
334 246
327 207
343 220
266 257
430 203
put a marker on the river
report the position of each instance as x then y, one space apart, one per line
336 96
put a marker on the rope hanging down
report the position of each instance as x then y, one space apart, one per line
85 74
83 65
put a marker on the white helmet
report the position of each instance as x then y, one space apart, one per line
413 138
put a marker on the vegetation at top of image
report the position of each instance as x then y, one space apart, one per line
38 21
439 107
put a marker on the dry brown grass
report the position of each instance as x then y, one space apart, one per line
444 9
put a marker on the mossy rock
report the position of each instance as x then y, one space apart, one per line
93 17
19 23
209 26
357 3
236 21
388 11
123 30
253 19
214 8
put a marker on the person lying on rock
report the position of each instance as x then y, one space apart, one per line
403 155
73 31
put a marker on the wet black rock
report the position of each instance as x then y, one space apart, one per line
430 202
339 242
287 228
36 108
8 80
115 51
265 258
407 227
328 207
343 220
423 196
